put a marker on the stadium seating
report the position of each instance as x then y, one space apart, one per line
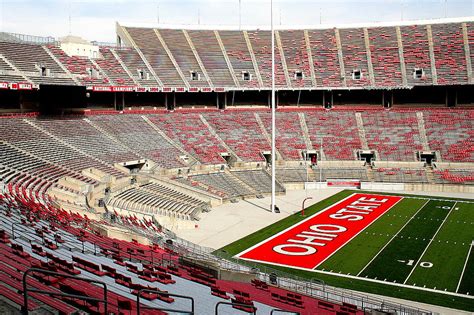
400 175
154 52
416 53
385 56
239 57
135 65
211 55
451 133
454 176
241 132
184 56
188 130
296 56
261 45
259 180
136 134
393 134
111 66
355 56
80 66
30 58
325 58
448 46
338 131
154 198
289 136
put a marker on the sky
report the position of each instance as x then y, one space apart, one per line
95 19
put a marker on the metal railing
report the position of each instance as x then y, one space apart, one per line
26 289
165 294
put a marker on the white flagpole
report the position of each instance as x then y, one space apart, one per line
273 109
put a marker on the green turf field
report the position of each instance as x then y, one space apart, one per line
420 250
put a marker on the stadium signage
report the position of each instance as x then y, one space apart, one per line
343 183
25 86
4 85
193 89
308 243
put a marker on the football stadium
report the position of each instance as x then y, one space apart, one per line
234 169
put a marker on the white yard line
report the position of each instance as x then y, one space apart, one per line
431 241
464 268
386 244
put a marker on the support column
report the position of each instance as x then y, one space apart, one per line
115 100
217 100
123 101
166 100
225 100
276 99
174 100
270 99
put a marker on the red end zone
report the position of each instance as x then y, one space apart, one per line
308 243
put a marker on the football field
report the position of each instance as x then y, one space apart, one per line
412 247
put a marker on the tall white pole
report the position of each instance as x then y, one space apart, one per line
273 108
240 14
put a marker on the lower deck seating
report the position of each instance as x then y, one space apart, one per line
125 267
259 180
340 173
400 175
454 176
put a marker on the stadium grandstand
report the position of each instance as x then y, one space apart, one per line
126 168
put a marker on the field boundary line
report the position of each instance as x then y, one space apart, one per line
464 268
432 198
429 244
386 244
400 285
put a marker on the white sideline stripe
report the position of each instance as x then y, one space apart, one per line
464 268
386 244
434 198
429 244
400 285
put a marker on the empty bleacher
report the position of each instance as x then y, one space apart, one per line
400 175
136 134
79 66
156 55
289 136
338 132
454 176
385 56
355 56
394 135
30 58
184 56
450 58
188 130
239 57
296 56
451 132
112 67
136 66
416 53
262 48
259 180
241 132
325 57
153 198
211 56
